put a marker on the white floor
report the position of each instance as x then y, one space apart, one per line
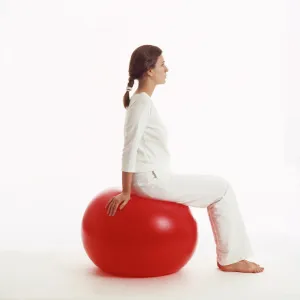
71 275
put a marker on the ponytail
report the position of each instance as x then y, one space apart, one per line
126 98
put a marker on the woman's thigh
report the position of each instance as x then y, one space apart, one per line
198 190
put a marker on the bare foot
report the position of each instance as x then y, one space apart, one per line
243 266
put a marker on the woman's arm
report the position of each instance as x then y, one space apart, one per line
121 199
136 121
126 182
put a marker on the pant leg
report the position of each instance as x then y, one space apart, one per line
205 191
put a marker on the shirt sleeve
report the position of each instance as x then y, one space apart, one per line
137 117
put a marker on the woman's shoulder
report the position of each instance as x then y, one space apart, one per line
140 99
142 95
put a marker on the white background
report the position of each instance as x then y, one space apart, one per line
230 103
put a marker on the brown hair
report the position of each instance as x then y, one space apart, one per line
142 59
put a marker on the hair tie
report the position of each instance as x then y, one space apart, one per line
129 88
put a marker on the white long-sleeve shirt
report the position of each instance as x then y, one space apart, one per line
145 137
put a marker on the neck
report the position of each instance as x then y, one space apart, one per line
147 88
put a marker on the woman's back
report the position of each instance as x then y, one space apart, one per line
145 137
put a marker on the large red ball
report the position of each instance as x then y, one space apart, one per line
149 237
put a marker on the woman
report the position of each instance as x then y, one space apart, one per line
146 167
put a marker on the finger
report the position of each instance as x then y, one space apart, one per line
123 205
112 203
107 204
109 201
113 208
110 207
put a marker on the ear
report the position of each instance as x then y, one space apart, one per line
150 72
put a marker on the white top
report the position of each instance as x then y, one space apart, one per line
145 137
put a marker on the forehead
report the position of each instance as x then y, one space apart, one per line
160 59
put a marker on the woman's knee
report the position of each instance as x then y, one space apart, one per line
229 194
224 182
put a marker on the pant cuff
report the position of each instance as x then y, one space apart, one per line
228 259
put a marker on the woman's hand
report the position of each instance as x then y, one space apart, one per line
113 204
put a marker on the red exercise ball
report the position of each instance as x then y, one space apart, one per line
148 238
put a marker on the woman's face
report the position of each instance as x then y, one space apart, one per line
160 71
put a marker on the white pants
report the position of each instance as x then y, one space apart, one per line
206 191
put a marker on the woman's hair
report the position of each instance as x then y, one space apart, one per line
142 59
